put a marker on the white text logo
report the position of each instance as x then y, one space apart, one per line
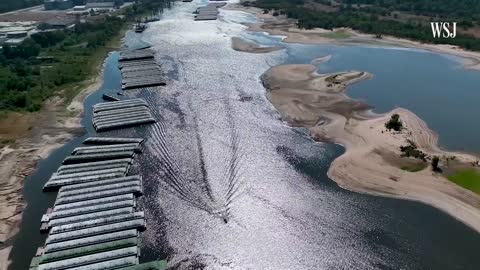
444 29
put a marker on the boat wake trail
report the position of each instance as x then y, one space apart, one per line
161 152
232 176
213 193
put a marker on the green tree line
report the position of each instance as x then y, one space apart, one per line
46 62
367 18
26 80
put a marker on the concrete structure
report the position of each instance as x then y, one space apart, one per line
208 12
119 114
104 4
140 70
94 223
57 24
17 34
79 8
109 140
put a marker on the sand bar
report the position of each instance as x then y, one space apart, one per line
372 162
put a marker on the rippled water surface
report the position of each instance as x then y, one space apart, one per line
433 86
221 154
230 186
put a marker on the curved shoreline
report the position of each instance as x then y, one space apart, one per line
242 45
52 128
372 162
366 166
285 27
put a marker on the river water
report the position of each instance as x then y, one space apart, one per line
220 153
434 86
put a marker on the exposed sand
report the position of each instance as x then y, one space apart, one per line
243 45
282 26
47 131
372 160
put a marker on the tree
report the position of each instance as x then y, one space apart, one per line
394 123
435 161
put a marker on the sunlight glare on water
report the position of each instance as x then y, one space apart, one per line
230 186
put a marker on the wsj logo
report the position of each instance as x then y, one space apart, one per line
444 29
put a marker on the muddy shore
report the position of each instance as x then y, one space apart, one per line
47 130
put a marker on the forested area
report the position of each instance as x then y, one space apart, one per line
451 8
9 5
34 70
49 61
380 17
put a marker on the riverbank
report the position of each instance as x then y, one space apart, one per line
283 26
372 162
243 45
39 135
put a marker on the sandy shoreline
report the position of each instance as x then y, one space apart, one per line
282 26
53 127
243 45
372 162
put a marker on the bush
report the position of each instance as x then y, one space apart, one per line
411 150
435 161
394 123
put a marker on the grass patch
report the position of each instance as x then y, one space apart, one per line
340 34
467 178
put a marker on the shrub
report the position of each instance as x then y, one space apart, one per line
435 161
394 123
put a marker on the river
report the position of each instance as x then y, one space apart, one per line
220 152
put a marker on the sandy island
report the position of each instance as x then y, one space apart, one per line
372 162
242 45
41 133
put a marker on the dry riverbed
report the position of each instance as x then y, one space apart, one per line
35 136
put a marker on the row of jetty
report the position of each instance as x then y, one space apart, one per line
94 223
139 69
208 12
119 114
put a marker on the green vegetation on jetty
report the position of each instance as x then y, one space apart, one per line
54 63
401 18
467 178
